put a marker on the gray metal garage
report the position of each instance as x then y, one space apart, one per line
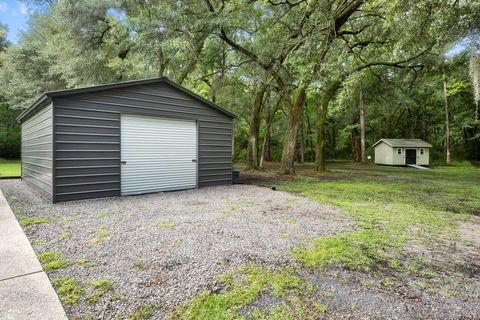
124 138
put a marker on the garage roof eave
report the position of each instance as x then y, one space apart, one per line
67 92
40 101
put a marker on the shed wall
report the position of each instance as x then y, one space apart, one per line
87 137
423 159
37 151
399 159
383 154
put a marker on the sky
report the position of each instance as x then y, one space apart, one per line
15 15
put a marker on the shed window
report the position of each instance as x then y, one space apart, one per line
399 151
421 151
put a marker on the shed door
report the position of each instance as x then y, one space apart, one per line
411 156
157 154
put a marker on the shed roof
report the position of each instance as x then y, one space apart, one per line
405 143
62 93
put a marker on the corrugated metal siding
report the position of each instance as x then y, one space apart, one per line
87 141
37 151
158 154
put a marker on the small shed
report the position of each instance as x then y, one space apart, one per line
124 138
401 152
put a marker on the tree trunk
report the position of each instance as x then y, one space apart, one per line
192 63
265 155
294 119
355 140
254 129
363 156
311 150
321 124
320 151
334 141
301 145
448 160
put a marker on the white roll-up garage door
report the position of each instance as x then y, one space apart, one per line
157 154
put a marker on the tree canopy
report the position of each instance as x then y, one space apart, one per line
309 79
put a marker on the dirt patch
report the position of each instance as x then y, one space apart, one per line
470 231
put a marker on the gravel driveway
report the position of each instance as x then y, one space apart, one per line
164 248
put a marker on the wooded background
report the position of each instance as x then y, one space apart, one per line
309 79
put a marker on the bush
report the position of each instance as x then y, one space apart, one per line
9 132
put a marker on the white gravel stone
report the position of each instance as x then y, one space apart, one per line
164 248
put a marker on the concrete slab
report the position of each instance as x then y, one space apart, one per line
17 255
25 290
29 297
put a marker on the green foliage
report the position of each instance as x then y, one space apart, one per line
31 221
77 43
359 250
68 290
65 235
9 139
243 287
103 234
144 312
164 225
52 260
100 286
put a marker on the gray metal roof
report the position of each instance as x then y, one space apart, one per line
46 97
405 143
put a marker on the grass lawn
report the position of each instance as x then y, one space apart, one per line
395 209
9 168
414 229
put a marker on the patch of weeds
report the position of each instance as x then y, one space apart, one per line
241 289
68 290
291 220
144 312
104 214
164 225
94 241
20 213
65 235
52 260
119 297
28 222
421 268
103 234
285 236
38 242
358 250
140 265
426 286
450 293
388 282
101 286
178 242
85 263
230 209
292 309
